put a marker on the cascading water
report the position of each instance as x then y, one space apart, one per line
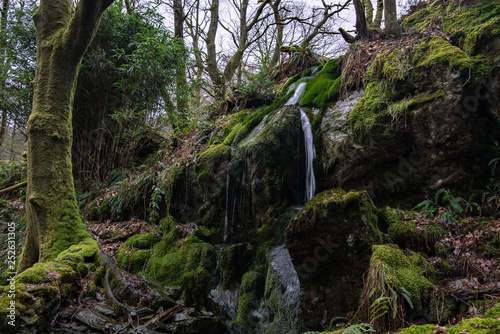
308 140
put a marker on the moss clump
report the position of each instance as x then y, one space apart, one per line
251 290
392 65
241 129
421 238
134 253
453 15
408 270
233 260
85 251
488 323
437 51
142 241
212 157
45 272
188 264
367 113
324 87
133 260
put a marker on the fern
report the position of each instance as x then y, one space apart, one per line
358 329
334 322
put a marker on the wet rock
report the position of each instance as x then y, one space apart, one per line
282 293
330 246
95 320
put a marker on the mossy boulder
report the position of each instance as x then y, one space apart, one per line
251 291
188 264
330 243
135 252
233 261
420 123
408 271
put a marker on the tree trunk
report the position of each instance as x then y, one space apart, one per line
212 69
361 26
52 217
181 81
369 11
279 33
391 17
378 16
3 62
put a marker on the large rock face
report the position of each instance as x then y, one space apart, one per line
330 245
422 123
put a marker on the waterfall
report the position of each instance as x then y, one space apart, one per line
230 208
310 155
295 98
308 140
226 220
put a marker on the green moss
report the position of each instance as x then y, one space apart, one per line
132 260
388 216
408 270
142 241
83 269
356 205
245 124
369 110
213 156
186 264
392 65
233 260
420 329
493 312
324 87
45 272
452 16
477 326
85 251
486 324
437 51
419 238
291 81
251 290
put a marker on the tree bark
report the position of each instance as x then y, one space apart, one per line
378 16
212 69
3 62
279 33
52 217
391 16
361 26
181 78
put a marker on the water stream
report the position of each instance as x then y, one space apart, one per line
308 140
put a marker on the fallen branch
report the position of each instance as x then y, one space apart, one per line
14 187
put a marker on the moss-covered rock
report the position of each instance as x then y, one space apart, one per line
233 260
324 88
45 272
408 234
188 264
408 271
251 291
330 244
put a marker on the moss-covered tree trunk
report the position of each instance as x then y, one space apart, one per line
3 62
63 33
